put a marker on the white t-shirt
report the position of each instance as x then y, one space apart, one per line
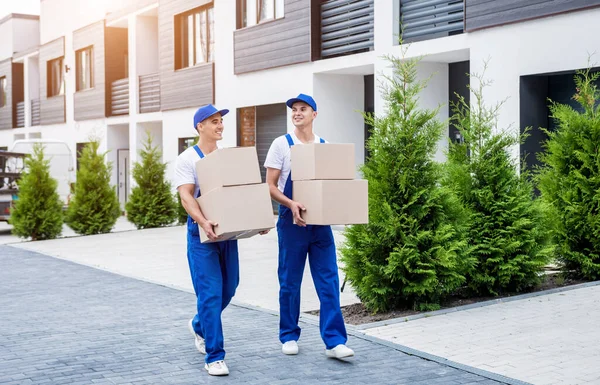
279 157
185 169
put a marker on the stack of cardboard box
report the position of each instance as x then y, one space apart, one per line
232 194
323 176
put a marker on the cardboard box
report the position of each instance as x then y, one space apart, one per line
333 202
228 167
323 161
240 211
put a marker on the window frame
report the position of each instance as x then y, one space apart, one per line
3 91
242 12
182 37
87 77
181 143
50 78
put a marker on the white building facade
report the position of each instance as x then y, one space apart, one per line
115 70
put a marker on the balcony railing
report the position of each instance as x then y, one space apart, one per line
347 26
149 93
21 114
120 97
427 19
35 112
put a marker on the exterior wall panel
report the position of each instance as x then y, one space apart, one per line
276 43
188 87
6 112
91 103
489 13
52 110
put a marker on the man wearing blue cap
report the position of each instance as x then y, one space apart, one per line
296 240
214 267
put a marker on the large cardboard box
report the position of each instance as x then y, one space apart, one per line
323 161
240 211
333 202
228 167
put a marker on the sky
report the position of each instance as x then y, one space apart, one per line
31 7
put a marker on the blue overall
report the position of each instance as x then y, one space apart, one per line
214 268
295 243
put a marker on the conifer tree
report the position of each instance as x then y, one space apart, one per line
409 254
182 215
569 179
151 203
505 222
37 213
95 206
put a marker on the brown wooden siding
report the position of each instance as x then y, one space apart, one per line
489 13
115 66
6 112
18 89
52 110
188 87
276 43
91 103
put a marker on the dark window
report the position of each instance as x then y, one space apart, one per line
194 37
85 68
3 86
185 143
56 84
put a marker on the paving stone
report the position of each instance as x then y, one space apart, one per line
74 324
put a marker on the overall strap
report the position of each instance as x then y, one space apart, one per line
200 154
289 139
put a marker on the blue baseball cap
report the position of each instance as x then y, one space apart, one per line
303 98
206 112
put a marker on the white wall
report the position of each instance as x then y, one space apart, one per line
117 138
531 48
436 94
26 34
154 129
61 17
340 100
6 40
180 124
34 77
147 45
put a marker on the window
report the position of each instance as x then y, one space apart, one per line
79 150
84 59
194 37
56 84
258 11
3 91
185 143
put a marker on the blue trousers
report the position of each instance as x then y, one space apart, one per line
215 272
295 243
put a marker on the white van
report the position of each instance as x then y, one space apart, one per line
61 159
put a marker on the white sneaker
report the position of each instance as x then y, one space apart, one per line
340 351
199 341
290 348
217 368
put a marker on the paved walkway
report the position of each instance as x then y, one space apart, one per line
159 255
549 339
64 323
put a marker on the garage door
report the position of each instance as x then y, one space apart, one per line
271 122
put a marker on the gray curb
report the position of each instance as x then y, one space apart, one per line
519 297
